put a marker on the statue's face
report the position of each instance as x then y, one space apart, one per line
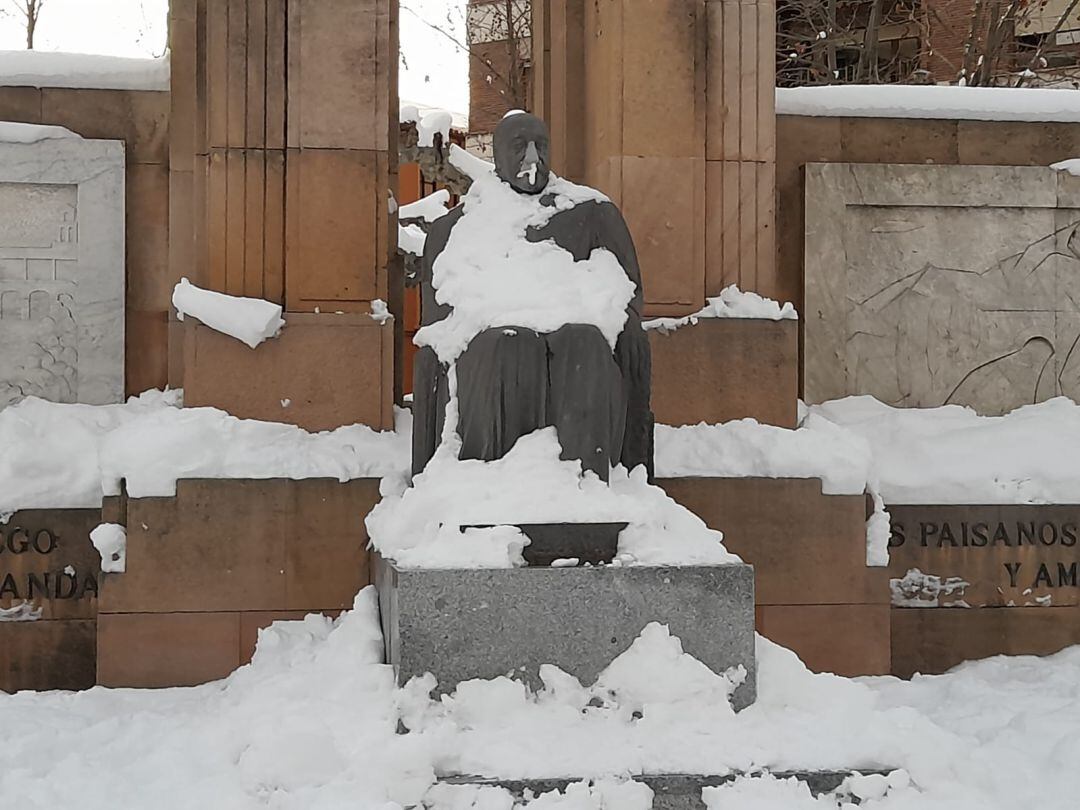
521 153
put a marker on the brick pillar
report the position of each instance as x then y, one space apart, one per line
667 106
284 155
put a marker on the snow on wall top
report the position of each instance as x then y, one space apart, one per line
82 70
931 101
15 132
731 303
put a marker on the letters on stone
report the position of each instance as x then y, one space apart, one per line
48 569
985 556
62 271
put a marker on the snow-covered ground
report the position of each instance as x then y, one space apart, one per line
311 724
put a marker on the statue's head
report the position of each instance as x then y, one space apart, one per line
521 152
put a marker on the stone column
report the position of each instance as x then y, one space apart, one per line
284 144
667 106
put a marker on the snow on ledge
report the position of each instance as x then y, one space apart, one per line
82 71
731 303
65 456
15 132
931 101
249 320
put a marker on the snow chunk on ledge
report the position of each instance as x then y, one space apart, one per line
110 540
428 208
249 320
931 101
82 70
421 526
15 132
731 303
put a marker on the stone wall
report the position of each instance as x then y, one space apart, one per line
140 118
804 139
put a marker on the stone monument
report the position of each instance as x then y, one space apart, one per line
514 380
61 266
493 369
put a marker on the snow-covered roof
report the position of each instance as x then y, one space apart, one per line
932 101
82 70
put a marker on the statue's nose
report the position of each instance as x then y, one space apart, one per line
532 157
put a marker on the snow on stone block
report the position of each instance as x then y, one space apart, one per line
436 122
249 320
411 239
428 208
110 540
931 101
15 132
1072 166
731 303
420 527
28 68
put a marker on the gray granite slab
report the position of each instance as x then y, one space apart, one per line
62 270
464 624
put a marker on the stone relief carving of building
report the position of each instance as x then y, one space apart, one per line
934 285
62 271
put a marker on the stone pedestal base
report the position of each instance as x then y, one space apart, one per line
464 624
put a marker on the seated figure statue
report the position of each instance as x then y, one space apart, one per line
513 377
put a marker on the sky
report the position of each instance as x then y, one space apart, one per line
434 68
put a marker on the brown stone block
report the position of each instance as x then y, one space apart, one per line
181 233
48 561
335 208
149 281
155 650
252 622
889 140
276 61
933 640
182 94
138 117
663 200
1016 143
740 225
847 640
22 104
351 382
726 368
806 548
326 547
176 352
664 99
146 356
45 655
273 228
219 545
338 74
236 222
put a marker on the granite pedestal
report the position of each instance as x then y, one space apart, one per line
464 624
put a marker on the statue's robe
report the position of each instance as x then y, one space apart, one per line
512 380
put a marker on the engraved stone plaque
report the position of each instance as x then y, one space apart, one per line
935 285
62 270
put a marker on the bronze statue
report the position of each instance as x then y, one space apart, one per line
513 380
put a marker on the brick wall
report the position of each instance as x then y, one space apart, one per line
491 63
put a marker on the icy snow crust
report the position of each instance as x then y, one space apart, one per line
311 724
82 70
15 132
69 456
931 101
493 276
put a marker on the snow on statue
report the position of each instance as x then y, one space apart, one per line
531 318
